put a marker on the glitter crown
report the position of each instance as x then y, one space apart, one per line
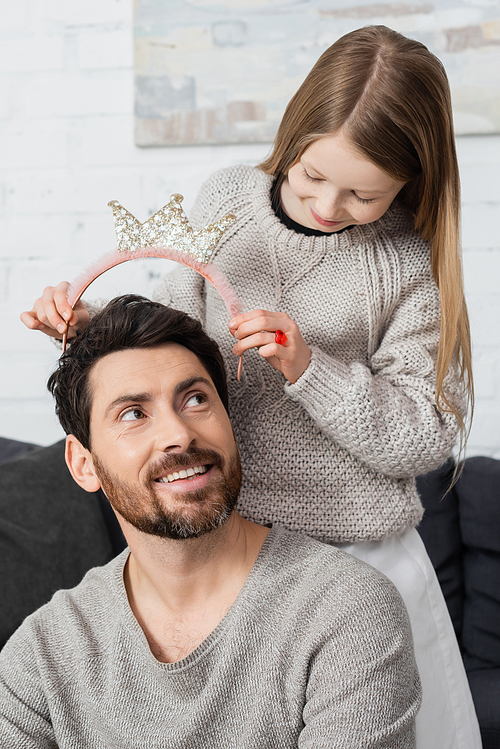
168 227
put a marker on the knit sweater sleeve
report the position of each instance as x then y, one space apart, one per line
363 688
368 712
384 412
25 721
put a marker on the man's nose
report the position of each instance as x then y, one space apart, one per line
174 434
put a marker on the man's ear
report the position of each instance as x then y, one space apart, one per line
81 467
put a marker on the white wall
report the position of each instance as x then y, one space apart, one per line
66 149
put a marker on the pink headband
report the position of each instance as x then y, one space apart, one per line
166 234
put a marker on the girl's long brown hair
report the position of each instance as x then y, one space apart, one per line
391 97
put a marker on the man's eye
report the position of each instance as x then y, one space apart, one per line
133 415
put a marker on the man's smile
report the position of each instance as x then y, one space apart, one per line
184 473
185 479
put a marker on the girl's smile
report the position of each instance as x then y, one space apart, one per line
333 186
322 221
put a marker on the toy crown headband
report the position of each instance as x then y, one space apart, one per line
166 234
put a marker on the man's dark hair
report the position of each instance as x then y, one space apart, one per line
127 322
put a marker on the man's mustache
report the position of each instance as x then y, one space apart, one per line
171 462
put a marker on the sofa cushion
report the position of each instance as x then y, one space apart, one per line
440 532
485 689
51 533
478 492
12 449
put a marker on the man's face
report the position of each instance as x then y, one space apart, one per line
162 444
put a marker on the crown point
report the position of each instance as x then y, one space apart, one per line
168 227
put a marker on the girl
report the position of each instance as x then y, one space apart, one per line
358 363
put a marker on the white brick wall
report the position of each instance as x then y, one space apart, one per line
66 149
480 165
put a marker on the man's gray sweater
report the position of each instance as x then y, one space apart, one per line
316 651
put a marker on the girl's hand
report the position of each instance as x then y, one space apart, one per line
51 313
259 328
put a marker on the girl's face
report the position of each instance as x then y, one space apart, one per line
333 186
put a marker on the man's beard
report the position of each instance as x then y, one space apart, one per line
143 509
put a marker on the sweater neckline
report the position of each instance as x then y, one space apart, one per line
131 623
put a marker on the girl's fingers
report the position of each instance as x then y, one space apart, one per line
261 325
292 365
53 315
267 345
244 317
30 319
270 350
36 319
48 314
57 308
251 322
291 356
61 304
289 340
277 338
253 341
46 311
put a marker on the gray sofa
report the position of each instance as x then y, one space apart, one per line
461 531
51 531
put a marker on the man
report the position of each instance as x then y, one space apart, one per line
210 631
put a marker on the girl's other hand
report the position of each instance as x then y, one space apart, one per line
51 313
258 329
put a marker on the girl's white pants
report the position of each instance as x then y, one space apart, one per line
447 719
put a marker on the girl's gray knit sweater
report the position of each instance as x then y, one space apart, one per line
336 453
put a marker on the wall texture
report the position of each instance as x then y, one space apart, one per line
66 149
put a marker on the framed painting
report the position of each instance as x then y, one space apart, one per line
222 72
